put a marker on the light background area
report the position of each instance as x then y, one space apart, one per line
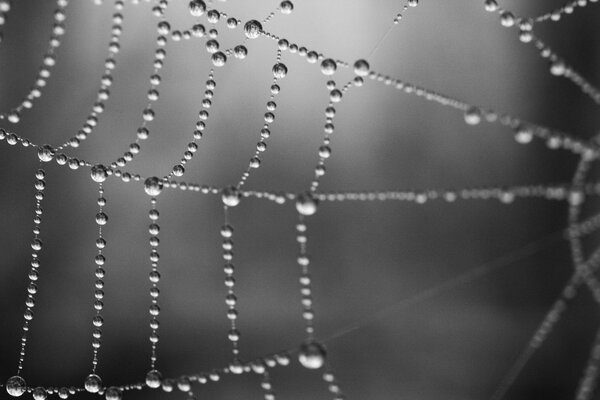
366 256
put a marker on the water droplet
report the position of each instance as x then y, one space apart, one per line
557 68
113 393
306 204
212 46
312 355
45 153
219 59
507 19
93 383
39 393
16 386
231 196
197 8
473 116
328 66
240 51
286 7
99 173
523 134
491 5
153 379
153 186
252 29
279 70
361 68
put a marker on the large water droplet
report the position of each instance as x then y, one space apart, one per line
279 70
252 29
93 383
16 386
312 355
306 204
99 173
153 186
113 393
328 66
153 379
361 68
231 196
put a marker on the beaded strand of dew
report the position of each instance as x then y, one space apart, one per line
230 200
93 382
179 169
153 187
473 115
312 353
148 114
49 60
558 66
279 70
103 93
15 385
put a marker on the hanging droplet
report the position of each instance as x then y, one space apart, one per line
279 70
413 3
252 29
99 173
153 379
231 196
491 5
507 19
113 393
219 59
312 355
153 186
16 386
39 393
240 51
306 204
197 8
45 153
328 66
93 383
557 68
473 116
523 134
101 218
361 68
286 7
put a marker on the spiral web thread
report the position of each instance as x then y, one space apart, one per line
311 353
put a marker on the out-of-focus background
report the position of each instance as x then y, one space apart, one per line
367 257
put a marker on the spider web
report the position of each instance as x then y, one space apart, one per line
507 326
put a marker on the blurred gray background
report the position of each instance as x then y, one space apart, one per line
366 256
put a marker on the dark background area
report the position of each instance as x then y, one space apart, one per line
366 256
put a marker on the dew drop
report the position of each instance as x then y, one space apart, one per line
312 355
473 116
523 134
45 153
39 393
557 68
219 59
99 173
153 186
16 386
153 379
361 68
231 196
113 393
252 29
240 51
93 383
306 204
279 70
328 66
197 8
286 7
